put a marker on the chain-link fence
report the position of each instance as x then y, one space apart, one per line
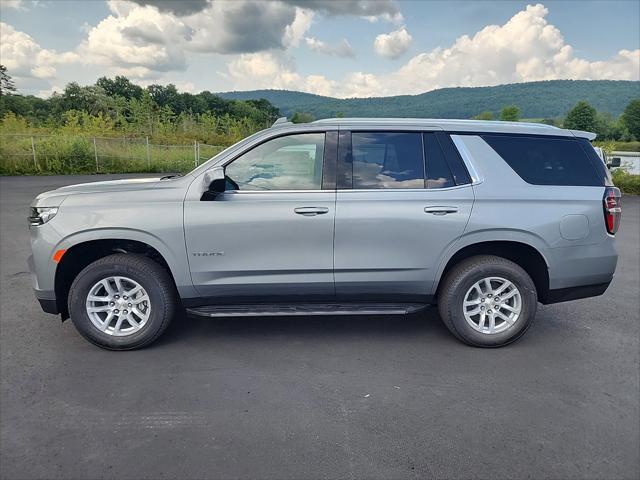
60 154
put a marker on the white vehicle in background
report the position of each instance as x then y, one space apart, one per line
602 154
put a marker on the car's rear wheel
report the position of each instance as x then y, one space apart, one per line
487 301
122 302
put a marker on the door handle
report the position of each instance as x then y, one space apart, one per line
440 210
311 211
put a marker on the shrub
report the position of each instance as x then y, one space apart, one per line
628 183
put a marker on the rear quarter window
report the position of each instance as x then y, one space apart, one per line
547 160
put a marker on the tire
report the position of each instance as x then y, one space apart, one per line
136 330
466 281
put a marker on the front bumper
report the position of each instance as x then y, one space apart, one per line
46 298
49 306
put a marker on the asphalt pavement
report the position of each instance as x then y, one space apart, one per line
324 397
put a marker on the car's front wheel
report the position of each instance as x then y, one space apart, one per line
487 301
122 302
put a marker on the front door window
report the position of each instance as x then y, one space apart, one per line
292 162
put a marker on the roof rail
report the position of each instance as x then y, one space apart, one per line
281 121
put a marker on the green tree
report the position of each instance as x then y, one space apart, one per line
6 84
91 99
302 117
631 118
267 110
484 116
582 117
120 86
510 113
165 96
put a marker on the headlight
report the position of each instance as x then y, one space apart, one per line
41 215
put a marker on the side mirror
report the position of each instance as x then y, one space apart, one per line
614 162
215 182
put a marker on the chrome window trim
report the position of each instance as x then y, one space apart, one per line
423 190
467 159
253 192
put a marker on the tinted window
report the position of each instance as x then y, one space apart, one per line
545 160
597 162
293 162
454 160
387 160
438 172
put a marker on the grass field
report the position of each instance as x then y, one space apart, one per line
58 154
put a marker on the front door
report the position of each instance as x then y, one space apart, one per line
404 209
270 235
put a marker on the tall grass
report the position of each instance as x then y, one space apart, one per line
120 147
63 154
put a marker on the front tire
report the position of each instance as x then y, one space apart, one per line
122 302
487 301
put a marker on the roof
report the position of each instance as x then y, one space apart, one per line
453 125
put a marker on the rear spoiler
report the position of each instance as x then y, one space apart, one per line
581 134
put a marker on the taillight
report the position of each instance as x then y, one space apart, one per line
612 210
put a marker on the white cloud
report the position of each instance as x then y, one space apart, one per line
268 70
243 27
372 10
146 39
393 44
177 7
13 4
340 49
188 87
296 31
48 92
25 58
136 41
526 48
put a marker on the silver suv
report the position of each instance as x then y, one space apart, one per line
337 217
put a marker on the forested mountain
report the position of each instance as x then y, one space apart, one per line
548 99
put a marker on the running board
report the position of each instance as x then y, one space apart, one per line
300 309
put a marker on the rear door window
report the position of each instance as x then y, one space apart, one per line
387 160
546 160
438 172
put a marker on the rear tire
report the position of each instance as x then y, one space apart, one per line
130 286
470 305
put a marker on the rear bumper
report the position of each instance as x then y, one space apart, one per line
574 293
582 267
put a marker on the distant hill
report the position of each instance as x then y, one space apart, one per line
546 99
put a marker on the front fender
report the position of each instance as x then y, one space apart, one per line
175 256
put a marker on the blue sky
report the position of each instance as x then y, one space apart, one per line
331 47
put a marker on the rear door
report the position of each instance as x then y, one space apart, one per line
270 235
403 198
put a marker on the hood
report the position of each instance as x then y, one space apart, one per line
54 198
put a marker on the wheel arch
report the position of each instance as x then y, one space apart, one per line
81 253
523 253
